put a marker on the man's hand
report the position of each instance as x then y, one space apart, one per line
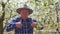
34 24
18 25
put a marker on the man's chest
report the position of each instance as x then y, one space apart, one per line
26 28
26 24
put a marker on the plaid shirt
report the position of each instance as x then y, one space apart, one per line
26 29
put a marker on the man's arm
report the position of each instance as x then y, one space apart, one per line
34 23
10 26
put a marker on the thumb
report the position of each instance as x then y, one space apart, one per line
20 21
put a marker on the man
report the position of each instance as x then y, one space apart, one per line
22 25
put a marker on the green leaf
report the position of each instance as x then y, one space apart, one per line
37 3
44 4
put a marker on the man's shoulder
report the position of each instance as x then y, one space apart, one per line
16 19
32 19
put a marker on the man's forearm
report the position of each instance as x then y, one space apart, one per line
10 27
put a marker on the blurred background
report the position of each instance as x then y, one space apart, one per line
46 12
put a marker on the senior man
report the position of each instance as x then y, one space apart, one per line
23 24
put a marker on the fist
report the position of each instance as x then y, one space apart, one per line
18 25
33 24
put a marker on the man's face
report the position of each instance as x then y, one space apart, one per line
24 13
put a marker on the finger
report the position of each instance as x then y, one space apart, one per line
20 21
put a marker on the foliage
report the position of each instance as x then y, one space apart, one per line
46 12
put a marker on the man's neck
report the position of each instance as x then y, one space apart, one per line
24 19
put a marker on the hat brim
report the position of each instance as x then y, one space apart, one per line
19 9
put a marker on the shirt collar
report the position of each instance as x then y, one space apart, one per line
22 19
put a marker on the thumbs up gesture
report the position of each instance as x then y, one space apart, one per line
19 25
34 24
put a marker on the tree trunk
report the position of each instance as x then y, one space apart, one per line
2 18
1 22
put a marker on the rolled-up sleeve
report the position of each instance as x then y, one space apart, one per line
10 26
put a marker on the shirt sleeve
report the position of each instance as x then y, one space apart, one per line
36 22
11 25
